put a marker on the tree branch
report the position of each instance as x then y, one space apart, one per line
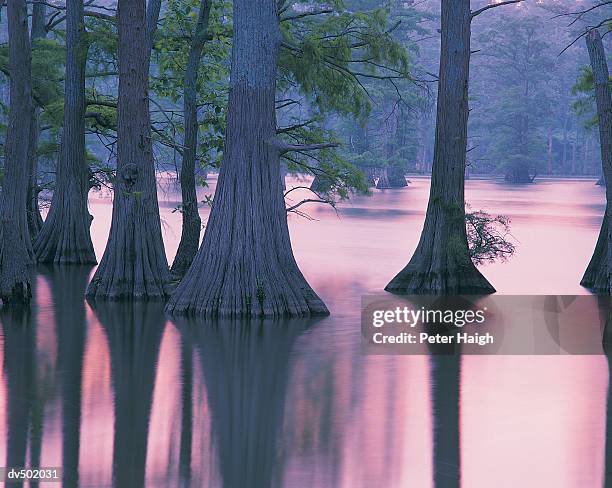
282 130
283 147
97 116
493 5
305 14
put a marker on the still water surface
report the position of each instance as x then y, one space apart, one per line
120 395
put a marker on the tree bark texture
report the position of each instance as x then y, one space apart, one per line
15 243
441 263
190 235
153 9
35 220
245 266
65 237
134 264
598 273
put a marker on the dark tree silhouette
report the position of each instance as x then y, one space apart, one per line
190 235
441 263
392 177
65 237
245 266
35 221
598 273
15 244
134 264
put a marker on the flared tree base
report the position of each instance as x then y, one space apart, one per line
391 179
65 237
19 294
596 275
188 247
15 268
518 176
464 281
49 250
291 297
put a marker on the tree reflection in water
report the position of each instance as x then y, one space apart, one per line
67 285
246 366
134 331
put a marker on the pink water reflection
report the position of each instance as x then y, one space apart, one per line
341 419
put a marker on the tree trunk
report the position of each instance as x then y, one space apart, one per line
574 148
549 151
283 175
153 9
441 263
15 243
190 235
392 178
597 276
565 124
35 220
245 266
370 177
518 173
383 180
65 237
134 264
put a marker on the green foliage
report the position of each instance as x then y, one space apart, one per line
513 102
341 67
327 57
171 54
584 91
489 237
48 58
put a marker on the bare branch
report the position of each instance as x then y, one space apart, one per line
305 14
582 13
587 30
493 5
307 200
